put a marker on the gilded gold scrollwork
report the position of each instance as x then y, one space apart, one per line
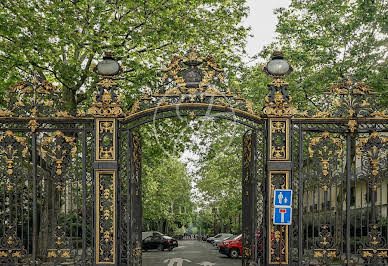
191 79
106 102
325 246
10 146
374 251
328 150
278 107
11 249
105 139
372 152
105 216
279 139
59 149
34 98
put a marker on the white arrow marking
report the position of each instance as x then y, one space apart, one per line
206 263
178 261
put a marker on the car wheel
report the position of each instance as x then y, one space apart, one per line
234 253
160 247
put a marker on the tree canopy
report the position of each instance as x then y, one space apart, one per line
63 40
327 40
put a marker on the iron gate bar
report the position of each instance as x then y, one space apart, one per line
300 197
84 189
348 177
34 210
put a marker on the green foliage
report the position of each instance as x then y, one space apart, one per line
326 40
63 40
218 179
166 192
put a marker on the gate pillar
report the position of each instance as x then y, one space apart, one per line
106 109
278 110
249 199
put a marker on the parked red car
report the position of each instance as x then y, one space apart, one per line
233 248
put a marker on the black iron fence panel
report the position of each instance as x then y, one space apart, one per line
47 193
340 185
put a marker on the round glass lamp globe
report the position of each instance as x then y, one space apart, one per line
108 67
278 67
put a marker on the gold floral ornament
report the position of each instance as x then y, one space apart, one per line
58 150
11 247
325 247
58 245
106 102
278 101
13 150
350 100
328 150
12 147
375 250
34 98
371 151
191 79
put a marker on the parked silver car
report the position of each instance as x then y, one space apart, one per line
219 240
216 237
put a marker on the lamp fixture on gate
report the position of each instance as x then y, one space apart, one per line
108 66
277 102
277 67
107 101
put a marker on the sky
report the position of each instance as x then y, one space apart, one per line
263 23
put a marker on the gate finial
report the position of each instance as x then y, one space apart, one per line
107 101
277 102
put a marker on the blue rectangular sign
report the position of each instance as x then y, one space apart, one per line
283 197
282 215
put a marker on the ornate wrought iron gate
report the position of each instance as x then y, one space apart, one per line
71 183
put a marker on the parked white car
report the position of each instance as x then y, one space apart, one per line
217 237
219 240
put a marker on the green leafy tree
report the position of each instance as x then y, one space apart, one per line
62 40
218 179
166 195
327 40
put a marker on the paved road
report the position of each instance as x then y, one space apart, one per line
190 253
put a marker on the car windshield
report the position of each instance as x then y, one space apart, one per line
218 236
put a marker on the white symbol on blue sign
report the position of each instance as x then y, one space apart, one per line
283 197
282 215
282 206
